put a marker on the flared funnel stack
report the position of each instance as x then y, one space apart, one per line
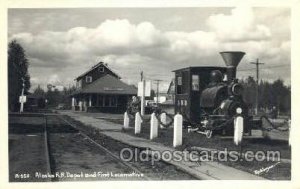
232 60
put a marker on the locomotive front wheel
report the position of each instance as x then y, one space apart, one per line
208 133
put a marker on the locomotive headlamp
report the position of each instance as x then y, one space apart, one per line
239 110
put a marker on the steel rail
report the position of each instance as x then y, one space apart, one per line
106 150
47 152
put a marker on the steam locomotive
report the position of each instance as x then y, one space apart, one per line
210 97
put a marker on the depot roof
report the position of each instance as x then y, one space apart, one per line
108 85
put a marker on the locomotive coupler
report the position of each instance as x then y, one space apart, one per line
191 129
207 133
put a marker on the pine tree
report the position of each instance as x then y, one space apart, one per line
17 71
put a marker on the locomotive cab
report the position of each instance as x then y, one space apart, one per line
190 82
210 97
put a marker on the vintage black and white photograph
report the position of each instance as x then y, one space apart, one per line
149 93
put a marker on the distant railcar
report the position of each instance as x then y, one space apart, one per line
34 103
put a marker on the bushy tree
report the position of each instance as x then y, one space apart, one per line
17 72
53 96
281 95
271 94
56 97
249 85
66 93
39 91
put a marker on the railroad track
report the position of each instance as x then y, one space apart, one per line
49 145
105 149
59 130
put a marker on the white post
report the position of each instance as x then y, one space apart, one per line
153 126
238 129
126 121
22 96
84 105
177 140
90 101
22 105
137 123
73 103
163 119
22 100
80 105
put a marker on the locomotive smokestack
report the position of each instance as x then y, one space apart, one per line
232 59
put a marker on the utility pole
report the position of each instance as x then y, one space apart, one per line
22 96
143 104
157 89
142 75
257 63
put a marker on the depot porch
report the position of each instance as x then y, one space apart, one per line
100 103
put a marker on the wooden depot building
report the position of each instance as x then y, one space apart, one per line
101 90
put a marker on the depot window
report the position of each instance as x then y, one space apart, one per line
195 82
101 69
179 80
88 79
107 101
179 85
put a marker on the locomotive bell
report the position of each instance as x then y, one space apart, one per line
232 59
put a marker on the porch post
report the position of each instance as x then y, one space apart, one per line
84 105
73 104
97 96
90 100
80 105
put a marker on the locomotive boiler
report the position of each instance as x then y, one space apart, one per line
210 97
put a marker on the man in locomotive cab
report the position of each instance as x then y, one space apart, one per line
134 105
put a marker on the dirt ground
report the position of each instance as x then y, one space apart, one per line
70 152
157 171
27 150
71 155
282 171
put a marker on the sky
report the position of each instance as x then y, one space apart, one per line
63 43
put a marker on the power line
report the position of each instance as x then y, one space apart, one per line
267 67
